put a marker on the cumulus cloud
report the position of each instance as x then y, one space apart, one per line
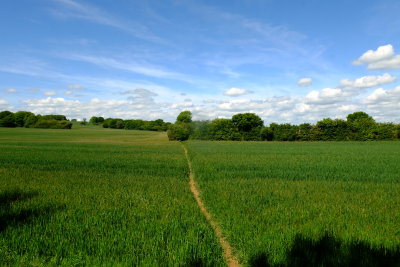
381 53
49 93
10 90
368 81
382 58
304 82
236 92
325 96
382 96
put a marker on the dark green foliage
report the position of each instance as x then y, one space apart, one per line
179 131
222 129
8 120
266 134
304 132
30 121
157 125
5 113
96 120
21 116
184 116
200 130
54 117
284 132
329 129
246 122
359 126
359 115
52 124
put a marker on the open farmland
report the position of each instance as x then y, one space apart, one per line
93 196
299 204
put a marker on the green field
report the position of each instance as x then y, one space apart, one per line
93 196
282 203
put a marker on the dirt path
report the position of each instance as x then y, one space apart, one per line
229 257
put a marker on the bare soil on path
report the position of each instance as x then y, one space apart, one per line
229 257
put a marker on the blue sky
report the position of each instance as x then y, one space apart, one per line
287 61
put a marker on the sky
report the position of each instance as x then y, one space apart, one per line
287 61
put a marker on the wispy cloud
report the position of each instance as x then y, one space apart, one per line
142 68
73 9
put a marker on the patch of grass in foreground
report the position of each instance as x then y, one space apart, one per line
280 202
95 201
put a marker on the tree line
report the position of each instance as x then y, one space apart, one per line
115 123
358 126
29 120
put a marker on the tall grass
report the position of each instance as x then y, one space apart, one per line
98 197
271 197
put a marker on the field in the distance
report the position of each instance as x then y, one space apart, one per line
94 196
304 203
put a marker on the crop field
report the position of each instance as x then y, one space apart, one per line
304 203
95 196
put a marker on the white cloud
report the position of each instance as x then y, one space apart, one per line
236 92
49 93
68 92
325 96
381 53
368 81
382 58
391 63
382 96
10 90
304 82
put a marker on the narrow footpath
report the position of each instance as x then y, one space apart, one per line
229 257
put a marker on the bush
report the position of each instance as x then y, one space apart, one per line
179 131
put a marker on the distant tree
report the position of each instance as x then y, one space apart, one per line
179 131
8 120
284 132
184 116
359 115
266 134
84 121
330 129
248 125
304 132
201 130
5 113
223 129
20 117
30 121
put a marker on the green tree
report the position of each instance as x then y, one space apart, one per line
8 121
179 131
359 115
185 117
223 129
20 117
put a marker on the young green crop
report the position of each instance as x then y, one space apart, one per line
279 203
95 196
